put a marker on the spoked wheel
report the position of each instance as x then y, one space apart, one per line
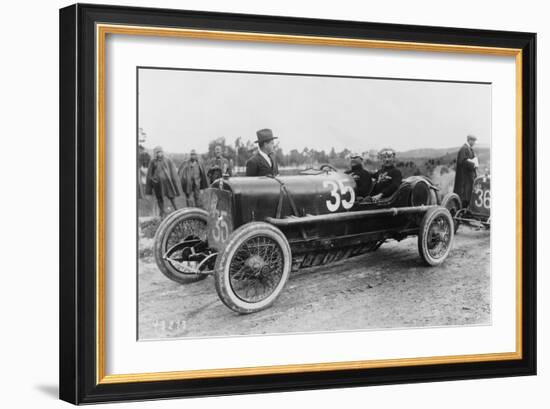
436 236
185 225
253 268
452 203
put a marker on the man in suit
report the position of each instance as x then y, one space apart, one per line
466 170
263 163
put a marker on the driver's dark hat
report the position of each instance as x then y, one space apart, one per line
356 160
264 135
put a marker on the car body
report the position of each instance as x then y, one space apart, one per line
256 230
478 211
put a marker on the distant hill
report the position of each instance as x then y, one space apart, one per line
426 153
481 150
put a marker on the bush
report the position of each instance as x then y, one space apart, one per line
149 226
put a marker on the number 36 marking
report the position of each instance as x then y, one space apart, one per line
337 190
483 198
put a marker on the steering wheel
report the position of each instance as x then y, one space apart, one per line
328 166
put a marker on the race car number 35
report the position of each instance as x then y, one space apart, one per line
338 193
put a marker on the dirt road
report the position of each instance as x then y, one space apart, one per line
387 288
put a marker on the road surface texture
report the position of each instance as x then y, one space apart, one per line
389 288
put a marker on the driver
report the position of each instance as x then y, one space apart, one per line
362 177
388 177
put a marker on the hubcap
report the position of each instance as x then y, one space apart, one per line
256 269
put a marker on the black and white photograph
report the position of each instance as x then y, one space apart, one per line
276 203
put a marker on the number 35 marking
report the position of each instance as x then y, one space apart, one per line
220 232
337 190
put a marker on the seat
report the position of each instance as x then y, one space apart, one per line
413 191
399 197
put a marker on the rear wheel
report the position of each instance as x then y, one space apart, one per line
253 268
421 194
183 224
436 235
452 203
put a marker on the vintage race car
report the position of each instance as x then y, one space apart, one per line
478 212
256 230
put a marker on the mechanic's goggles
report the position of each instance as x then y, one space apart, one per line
386 154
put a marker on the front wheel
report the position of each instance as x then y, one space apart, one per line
436 235
181 225
253 268
452 203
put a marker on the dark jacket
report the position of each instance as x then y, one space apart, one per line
363 180
258 166
162 178
465 173
216 168
387 181
185 177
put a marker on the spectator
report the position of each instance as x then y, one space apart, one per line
466 170
192 177
162 179
218 166
263 163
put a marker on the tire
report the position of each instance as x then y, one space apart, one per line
452 203
176 227
436 235
253 272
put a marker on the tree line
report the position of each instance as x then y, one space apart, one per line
241 151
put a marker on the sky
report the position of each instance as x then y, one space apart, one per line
183 110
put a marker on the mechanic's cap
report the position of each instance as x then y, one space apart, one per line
470 136
193 152
157 149
386 153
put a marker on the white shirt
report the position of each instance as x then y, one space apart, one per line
266 157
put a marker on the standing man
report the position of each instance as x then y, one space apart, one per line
193 179
162 179
362 177
263 163
388 178
143 164
218 166
466 165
